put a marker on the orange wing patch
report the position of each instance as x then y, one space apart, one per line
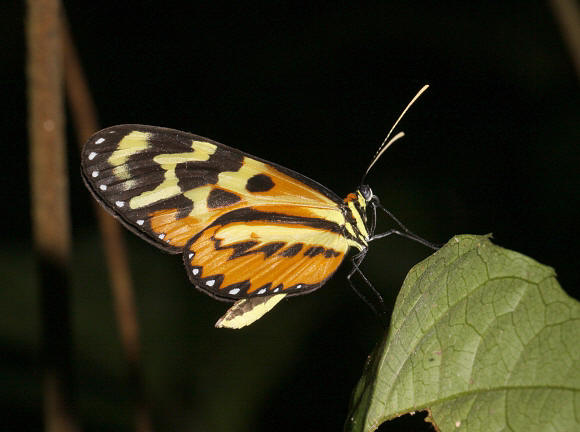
276 185
242 259
173 230
171 227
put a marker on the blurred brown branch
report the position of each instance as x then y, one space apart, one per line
567 15
50 206
84 115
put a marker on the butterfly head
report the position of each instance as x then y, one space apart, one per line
365 197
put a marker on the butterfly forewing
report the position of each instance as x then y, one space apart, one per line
138 173
246 227
170 185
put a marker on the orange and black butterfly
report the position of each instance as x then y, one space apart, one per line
248 230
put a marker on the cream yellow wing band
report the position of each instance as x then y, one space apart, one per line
245 311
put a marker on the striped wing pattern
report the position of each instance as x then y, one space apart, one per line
261 257
246 227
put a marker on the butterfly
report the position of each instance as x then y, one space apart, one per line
250 231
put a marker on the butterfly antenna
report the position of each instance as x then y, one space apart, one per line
386 142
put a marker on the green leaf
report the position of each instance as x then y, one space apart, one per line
481 337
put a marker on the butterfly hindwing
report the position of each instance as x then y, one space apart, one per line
247 310
261 255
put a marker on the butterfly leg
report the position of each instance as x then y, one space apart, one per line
373 224
404 232
380 312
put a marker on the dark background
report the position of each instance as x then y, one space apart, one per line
492 147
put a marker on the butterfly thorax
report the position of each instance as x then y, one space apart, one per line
354 209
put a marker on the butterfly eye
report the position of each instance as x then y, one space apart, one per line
366 192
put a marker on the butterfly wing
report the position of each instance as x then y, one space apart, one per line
167 185
246 311
246 227
248 253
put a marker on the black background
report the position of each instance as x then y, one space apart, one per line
492 147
